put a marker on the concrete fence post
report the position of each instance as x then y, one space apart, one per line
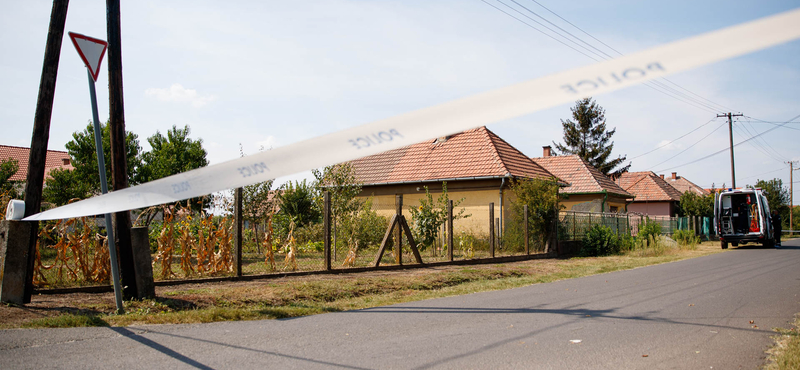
14 238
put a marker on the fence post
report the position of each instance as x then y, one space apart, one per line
491 229
450 229
398 250
574 231
525 225
238 222
326 227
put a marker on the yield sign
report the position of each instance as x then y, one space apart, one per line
91 51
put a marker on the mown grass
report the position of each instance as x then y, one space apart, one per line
785 354
68 320
287 298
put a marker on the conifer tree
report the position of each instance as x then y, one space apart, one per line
588 138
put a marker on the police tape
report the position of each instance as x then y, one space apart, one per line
448 118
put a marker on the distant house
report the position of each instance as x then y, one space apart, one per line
55 159
653 195
589 189
476 164
683 185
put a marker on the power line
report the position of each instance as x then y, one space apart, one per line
654 82
676 139
724 149
690 146
655 85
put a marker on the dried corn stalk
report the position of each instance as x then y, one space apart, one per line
223 261
101 269
350 261
291 261
166 246
186 240
269 253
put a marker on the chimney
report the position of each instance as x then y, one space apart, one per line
674 175
65 161
546 151
662 176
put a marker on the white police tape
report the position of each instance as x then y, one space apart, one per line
447 118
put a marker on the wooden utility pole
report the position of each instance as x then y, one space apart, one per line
791 197
119 158
41 131
730 136
237 221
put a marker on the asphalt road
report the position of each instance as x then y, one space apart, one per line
693 314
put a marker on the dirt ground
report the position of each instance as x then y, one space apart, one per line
44 305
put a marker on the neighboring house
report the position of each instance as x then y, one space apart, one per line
476 164
683 185
55 159
590 190
654 196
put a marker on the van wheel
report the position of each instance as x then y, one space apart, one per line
724 244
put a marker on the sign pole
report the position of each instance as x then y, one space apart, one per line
101 165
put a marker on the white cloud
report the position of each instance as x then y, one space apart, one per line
178 93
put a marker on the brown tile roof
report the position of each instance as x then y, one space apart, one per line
683 185
647 186
473 153
582 176
55 159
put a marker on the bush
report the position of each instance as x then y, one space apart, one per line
686 238
648 229
600 241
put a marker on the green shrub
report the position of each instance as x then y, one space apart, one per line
600 241
686 238
649 228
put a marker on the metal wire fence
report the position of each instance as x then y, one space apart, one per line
573 225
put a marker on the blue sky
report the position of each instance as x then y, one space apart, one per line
267 73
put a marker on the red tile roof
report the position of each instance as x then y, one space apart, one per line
647 186
582 176
683 185
55 159
476 153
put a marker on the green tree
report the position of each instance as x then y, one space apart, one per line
172 154
84 157
297 203
340 180
693 204
542 198
588 138
65 185
777 196
8 167
429 216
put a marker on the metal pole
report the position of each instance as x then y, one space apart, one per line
491 228
525 225
101 166
237 200
450 229
791 198
326 226
730 137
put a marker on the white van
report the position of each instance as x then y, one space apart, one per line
742 216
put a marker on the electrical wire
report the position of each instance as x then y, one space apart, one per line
724 149
690 146
676 139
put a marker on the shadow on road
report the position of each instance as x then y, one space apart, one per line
171 353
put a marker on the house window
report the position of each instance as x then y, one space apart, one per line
613 209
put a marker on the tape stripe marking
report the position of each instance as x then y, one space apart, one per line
448 118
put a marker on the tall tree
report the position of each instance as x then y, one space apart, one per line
172 154
693 204
297 202
84 157
340 180
8 167
777 196
64 185
588 138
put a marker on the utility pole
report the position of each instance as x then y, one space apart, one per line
41 131
730 136
791 196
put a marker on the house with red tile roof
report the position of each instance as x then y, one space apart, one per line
589 189
476 164
54 159
683 185
653 195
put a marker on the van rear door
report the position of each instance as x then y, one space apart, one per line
716 213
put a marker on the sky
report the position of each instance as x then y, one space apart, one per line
264 74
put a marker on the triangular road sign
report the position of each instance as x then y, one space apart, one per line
91 51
